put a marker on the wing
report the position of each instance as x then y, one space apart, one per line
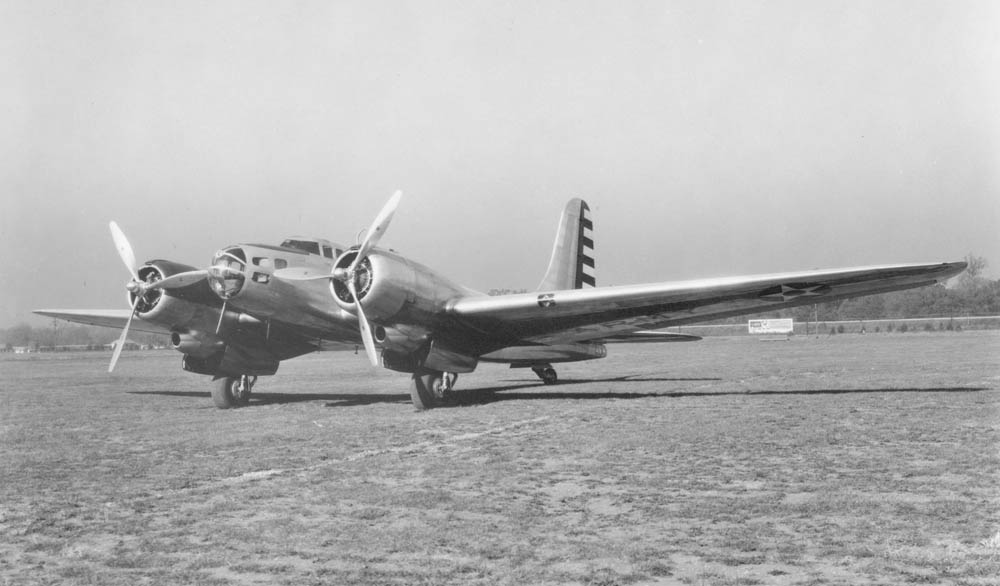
110 318
606 312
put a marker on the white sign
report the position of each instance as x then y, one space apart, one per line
771 326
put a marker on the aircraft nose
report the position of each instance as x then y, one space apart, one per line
228 272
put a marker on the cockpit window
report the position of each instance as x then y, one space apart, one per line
303 245
327 251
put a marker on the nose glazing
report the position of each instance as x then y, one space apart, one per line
228 277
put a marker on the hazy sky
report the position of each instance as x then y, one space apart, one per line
709 138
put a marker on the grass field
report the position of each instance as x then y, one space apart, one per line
838 460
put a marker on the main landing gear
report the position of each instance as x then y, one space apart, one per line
430 388
546 373
233 391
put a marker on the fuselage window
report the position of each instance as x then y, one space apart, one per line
262 261
280 263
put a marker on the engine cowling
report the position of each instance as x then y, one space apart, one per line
167 308
394 290
384 284
188 311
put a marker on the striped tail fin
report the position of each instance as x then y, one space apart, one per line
572 262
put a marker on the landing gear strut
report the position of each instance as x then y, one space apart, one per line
430 388
546 373
233 391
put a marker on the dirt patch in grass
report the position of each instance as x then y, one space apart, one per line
854 459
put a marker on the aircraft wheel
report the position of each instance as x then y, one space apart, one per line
429 388
232 391
547 374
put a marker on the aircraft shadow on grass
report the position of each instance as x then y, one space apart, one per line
525 390
495 394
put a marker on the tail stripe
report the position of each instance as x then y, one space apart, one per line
585 250
571 265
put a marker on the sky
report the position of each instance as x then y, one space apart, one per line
709 138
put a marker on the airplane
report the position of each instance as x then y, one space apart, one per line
256 305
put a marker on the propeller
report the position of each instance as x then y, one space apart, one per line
372 237
140 288
124 250
121 338
364 326
377 229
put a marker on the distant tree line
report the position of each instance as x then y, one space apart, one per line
60 333
497 292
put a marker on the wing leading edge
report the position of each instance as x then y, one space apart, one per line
109 318
589 314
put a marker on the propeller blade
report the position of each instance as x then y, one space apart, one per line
124 249
301 274
377 229
121 339
179 280
221 271
366 330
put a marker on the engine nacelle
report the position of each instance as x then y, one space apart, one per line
383 283
409 296
179 306
402 339
196 344
394 289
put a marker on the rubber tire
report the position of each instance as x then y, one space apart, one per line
422 390
549 376
225 396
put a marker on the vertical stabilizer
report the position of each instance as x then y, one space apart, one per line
572 262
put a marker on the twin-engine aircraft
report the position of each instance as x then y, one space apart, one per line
257 305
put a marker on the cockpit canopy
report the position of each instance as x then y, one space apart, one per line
316 246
